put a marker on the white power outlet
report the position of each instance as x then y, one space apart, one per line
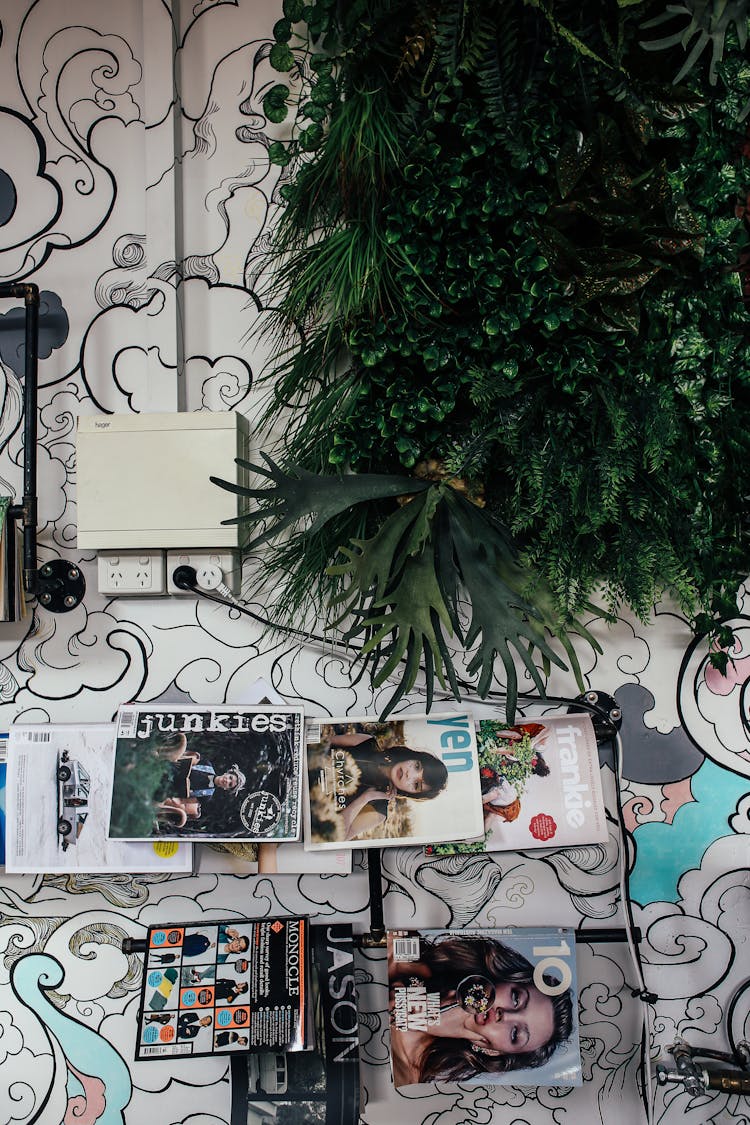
131 572
212 568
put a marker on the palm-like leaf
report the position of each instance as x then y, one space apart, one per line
501 618
297 494
401 590
404 588
707 23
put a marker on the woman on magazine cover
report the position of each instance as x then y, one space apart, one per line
378 775
521 1029
502 783
499 797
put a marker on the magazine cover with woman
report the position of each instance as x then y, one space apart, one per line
404 781
488 1007
207 773
541 786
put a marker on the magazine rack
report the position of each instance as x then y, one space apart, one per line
607 719
59 585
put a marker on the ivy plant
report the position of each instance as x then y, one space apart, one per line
511 248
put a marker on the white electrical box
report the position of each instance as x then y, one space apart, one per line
143 480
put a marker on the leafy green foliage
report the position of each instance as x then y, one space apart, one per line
298 494
515 249
403 590
708 22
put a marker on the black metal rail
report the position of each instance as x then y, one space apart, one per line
59 585
26 511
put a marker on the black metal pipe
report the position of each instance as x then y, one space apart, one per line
375 876
27 510
606 936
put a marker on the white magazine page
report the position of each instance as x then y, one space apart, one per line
273 859
58 794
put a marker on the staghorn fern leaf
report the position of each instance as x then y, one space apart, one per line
401 590
296 494
501 618
396 601
708 22
373 563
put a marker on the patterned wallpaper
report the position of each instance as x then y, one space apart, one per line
135 190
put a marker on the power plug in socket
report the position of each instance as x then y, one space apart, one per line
212 568
139 573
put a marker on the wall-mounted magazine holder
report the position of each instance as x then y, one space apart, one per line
606 716
58 585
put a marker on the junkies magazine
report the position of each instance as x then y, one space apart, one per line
491 1007
207 773
402 781
541 786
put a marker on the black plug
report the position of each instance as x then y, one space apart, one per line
185 577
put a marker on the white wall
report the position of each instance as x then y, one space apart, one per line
133 138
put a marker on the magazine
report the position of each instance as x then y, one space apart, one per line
484 1007
318 1087
207 773
541 786
403 781
12 601
58 792
223 987
3 772
270 859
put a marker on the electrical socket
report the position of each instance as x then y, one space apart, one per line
131 572
211 568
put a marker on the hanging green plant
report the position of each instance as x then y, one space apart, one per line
510 247
707 22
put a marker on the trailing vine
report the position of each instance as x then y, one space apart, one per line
511 247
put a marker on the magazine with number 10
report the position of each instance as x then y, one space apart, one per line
485 1007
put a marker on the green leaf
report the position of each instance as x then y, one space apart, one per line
274 103
501 619
295 494
282 31
278 153
281 58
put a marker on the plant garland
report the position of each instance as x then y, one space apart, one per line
509 289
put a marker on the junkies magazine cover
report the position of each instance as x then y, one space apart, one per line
492 1007
207 773
402 781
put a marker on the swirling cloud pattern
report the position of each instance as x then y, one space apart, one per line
140 198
